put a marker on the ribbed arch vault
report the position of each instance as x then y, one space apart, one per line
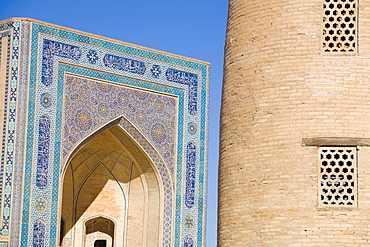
109 178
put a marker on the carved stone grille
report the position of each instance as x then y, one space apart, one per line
340 24
338 176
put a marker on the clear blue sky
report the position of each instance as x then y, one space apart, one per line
192 28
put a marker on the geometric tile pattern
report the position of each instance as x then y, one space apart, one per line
89 104
40 204
3 244
18 165
11 30
189 221
64 85
4 197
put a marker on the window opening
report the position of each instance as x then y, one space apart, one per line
340 25
338 176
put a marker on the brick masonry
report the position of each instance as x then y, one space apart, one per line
280 87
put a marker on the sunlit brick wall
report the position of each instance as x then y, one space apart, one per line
281 86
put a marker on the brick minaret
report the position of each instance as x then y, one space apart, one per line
295 124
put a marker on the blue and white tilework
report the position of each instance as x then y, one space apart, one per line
156 71
10 51
39 234
90 104
51 49
188 241
3 244
43 148
190 174
92 57
62 87
18 164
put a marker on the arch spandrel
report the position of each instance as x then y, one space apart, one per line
90 104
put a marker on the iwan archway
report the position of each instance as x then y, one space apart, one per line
112 194
103 143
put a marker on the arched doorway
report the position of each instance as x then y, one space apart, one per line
99 232
110 183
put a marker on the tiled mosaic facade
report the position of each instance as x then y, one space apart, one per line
60 87
89 104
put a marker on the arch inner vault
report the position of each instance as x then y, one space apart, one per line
111 194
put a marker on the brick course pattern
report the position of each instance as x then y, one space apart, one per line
280 87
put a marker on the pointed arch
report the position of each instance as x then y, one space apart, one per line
145 174
88 138
99 228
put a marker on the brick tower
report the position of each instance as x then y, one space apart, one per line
295 124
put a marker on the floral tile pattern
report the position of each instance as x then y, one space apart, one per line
62 86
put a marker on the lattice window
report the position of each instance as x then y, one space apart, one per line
338 176
340 24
